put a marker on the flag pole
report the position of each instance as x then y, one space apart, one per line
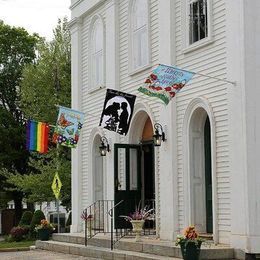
57 199
211 77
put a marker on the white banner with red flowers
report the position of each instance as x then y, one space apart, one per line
165 81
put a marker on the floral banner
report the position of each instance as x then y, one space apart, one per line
68 126
165 81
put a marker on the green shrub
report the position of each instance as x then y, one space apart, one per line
36 220
26 219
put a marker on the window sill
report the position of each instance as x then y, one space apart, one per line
95 89
140 69
197 45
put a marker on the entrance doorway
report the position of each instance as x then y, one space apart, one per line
134 175
201 172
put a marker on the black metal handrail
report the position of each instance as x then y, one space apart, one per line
111 214
102 212
96 218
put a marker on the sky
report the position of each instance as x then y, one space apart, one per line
40 16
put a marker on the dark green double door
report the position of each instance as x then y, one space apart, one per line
133 178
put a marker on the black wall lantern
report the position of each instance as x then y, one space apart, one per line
159 135
104 147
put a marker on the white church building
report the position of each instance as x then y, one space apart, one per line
206 172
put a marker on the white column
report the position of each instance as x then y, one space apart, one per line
76 94
252 121
112 81
168 150
243 63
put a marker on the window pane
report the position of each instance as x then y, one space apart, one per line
98 37
139 14
136 49
121 184
133 170
98 57
97 54
140 48
143 47
198 20
140 33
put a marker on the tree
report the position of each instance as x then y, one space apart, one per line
36 186
17 48
46 84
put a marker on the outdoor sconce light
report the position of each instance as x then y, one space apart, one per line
104 148
159 135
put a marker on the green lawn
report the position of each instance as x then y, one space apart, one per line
4 244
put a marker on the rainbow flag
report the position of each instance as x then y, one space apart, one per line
37 134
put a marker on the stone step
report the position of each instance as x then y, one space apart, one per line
206 236
147 246
96 252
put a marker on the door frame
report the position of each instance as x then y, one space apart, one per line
199 103
95 171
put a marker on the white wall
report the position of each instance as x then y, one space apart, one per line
209 59
243 65
230 54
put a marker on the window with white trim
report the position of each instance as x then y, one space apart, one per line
97 55
139 34
198 20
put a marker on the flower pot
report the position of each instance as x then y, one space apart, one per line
190 250
44 234
137 228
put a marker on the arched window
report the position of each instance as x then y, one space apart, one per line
97 54
139 49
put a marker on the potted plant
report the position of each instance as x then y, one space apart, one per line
89 221
44 230
137 219
190 243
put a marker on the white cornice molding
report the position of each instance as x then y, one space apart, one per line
74 22
75 4
84 7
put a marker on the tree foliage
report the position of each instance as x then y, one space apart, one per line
17 49
45 83
36 186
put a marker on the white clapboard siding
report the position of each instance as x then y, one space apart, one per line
92 104
130 83
211 60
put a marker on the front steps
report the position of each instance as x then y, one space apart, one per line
126 248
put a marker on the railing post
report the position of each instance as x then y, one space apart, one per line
86 239
112 228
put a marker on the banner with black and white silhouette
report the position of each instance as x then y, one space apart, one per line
117 111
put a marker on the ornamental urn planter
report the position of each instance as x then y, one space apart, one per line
44 234
137 228
190 250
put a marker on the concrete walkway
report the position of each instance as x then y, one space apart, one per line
40 255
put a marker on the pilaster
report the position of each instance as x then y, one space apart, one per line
112 81
243 41
76 101
168 150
